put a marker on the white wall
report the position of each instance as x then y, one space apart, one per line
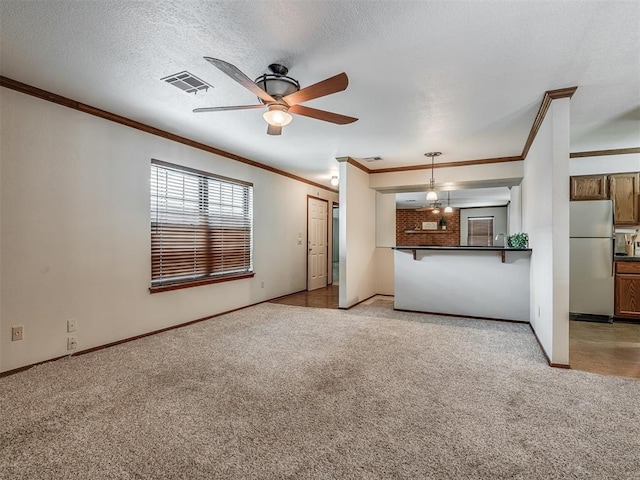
357 236
75 231
514 210
385 239
545 205
605 164
499 215
385 219
474 283
384 268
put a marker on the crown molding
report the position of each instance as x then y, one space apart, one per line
566 92
601 153
83 107
462 163
549 95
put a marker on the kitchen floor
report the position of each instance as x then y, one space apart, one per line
606 348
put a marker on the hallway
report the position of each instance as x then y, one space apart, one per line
326 297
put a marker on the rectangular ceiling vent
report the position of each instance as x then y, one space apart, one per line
372 159
187 82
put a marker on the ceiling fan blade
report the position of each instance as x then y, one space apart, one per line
241 78
322 115
320 89
274 130
222 109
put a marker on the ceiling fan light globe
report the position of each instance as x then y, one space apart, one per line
277 116
436 210
335 181
432 196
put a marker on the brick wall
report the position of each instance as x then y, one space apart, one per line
407 219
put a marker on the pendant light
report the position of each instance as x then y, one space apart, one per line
432 196
448 208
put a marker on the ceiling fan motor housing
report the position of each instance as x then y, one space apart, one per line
277 84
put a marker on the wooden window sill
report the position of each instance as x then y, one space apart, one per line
198 283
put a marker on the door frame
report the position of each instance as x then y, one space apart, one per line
307 243
334 204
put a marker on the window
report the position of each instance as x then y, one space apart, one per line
480 231
201 227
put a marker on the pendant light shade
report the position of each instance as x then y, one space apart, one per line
432 196
448 208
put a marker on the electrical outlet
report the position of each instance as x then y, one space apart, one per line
72 343
72 325
16 334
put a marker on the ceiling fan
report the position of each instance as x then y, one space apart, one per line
282 95
434 206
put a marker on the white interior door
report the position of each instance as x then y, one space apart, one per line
317 242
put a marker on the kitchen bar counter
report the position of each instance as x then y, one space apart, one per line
464 248
623 258
464 281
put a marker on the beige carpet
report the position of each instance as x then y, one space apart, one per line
280 392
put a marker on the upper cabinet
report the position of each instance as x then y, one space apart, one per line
589 187
623 190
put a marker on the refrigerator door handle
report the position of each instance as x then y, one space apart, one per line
613 256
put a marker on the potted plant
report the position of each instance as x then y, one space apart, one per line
518 240
442 223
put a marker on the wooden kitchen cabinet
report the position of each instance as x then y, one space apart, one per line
627 290
589 187
623 190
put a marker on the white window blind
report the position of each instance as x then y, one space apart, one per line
480 231
201 226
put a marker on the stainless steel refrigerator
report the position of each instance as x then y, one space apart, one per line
592 246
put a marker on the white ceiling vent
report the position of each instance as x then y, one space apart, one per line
187 82
372 159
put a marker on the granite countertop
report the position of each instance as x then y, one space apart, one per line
622 258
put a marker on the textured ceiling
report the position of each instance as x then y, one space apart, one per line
465 78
